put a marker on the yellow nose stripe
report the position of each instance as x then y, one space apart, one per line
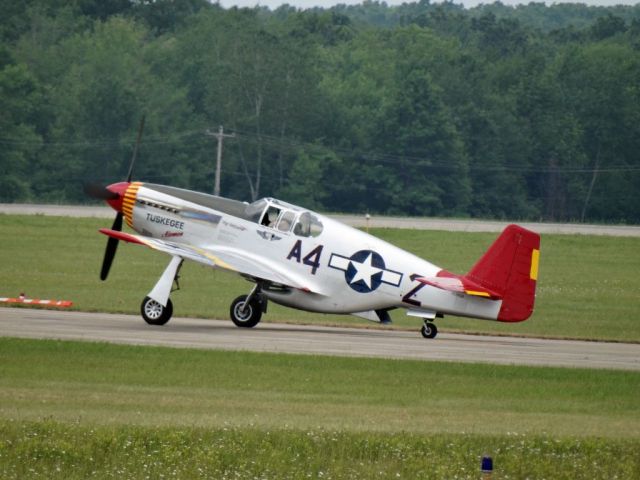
129 202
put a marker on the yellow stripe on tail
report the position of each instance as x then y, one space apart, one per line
535 258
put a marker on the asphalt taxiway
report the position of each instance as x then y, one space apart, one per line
316 340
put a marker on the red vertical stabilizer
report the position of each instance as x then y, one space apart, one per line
510 268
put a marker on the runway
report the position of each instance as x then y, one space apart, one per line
316 340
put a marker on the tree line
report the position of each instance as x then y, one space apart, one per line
528 112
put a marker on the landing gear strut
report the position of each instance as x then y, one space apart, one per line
246 310
429 329
156 308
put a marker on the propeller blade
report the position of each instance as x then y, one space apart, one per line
98 191
135 149
117 223
112 246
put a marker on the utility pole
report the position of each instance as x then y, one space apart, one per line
220 136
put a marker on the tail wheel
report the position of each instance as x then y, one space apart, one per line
245 315
429 330
154 313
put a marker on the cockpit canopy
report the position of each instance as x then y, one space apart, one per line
284 217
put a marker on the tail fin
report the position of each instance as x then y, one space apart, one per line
510 268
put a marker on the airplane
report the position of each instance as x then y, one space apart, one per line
301 259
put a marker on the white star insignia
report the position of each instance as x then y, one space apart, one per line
364 271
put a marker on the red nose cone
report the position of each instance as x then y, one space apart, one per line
118 189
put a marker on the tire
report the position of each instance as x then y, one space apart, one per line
251 315
154 313
429 330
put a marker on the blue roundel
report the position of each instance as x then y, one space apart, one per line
365 270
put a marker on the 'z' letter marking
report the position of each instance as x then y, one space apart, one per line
407 298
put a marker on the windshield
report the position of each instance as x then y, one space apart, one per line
270 216
254 210
274 214
308 225
286 219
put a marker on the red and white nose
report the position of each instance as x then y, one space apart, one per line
119 189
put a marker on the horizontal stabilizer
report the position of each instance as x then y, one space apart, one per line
459 284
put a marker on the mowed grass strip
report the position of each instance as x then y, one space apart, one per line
588 285
123 385
47 449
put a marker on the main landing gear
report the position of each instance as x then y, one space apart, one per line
156 308
429 329
154 313
246 310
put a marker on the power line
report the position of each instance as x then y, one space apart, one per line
292 145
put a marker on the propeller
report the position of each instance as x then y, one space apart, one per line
101 192
112 246
135 148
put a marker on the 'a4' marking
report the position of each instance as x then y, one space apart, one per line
312 259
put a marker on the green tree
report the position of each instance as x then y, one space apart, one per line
19 141
430 163
607 26
602 82
257 78
312 167
106 87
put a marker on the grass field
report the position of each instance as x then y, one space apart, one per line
62 451
77 410
74 410
102 383
588 286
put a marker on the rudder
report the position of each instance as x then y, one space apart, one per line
510 268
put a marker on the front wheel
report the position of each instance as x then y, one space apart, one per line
154 313
429 330
243 314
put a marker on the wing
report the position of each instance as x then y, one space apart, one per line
225 258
